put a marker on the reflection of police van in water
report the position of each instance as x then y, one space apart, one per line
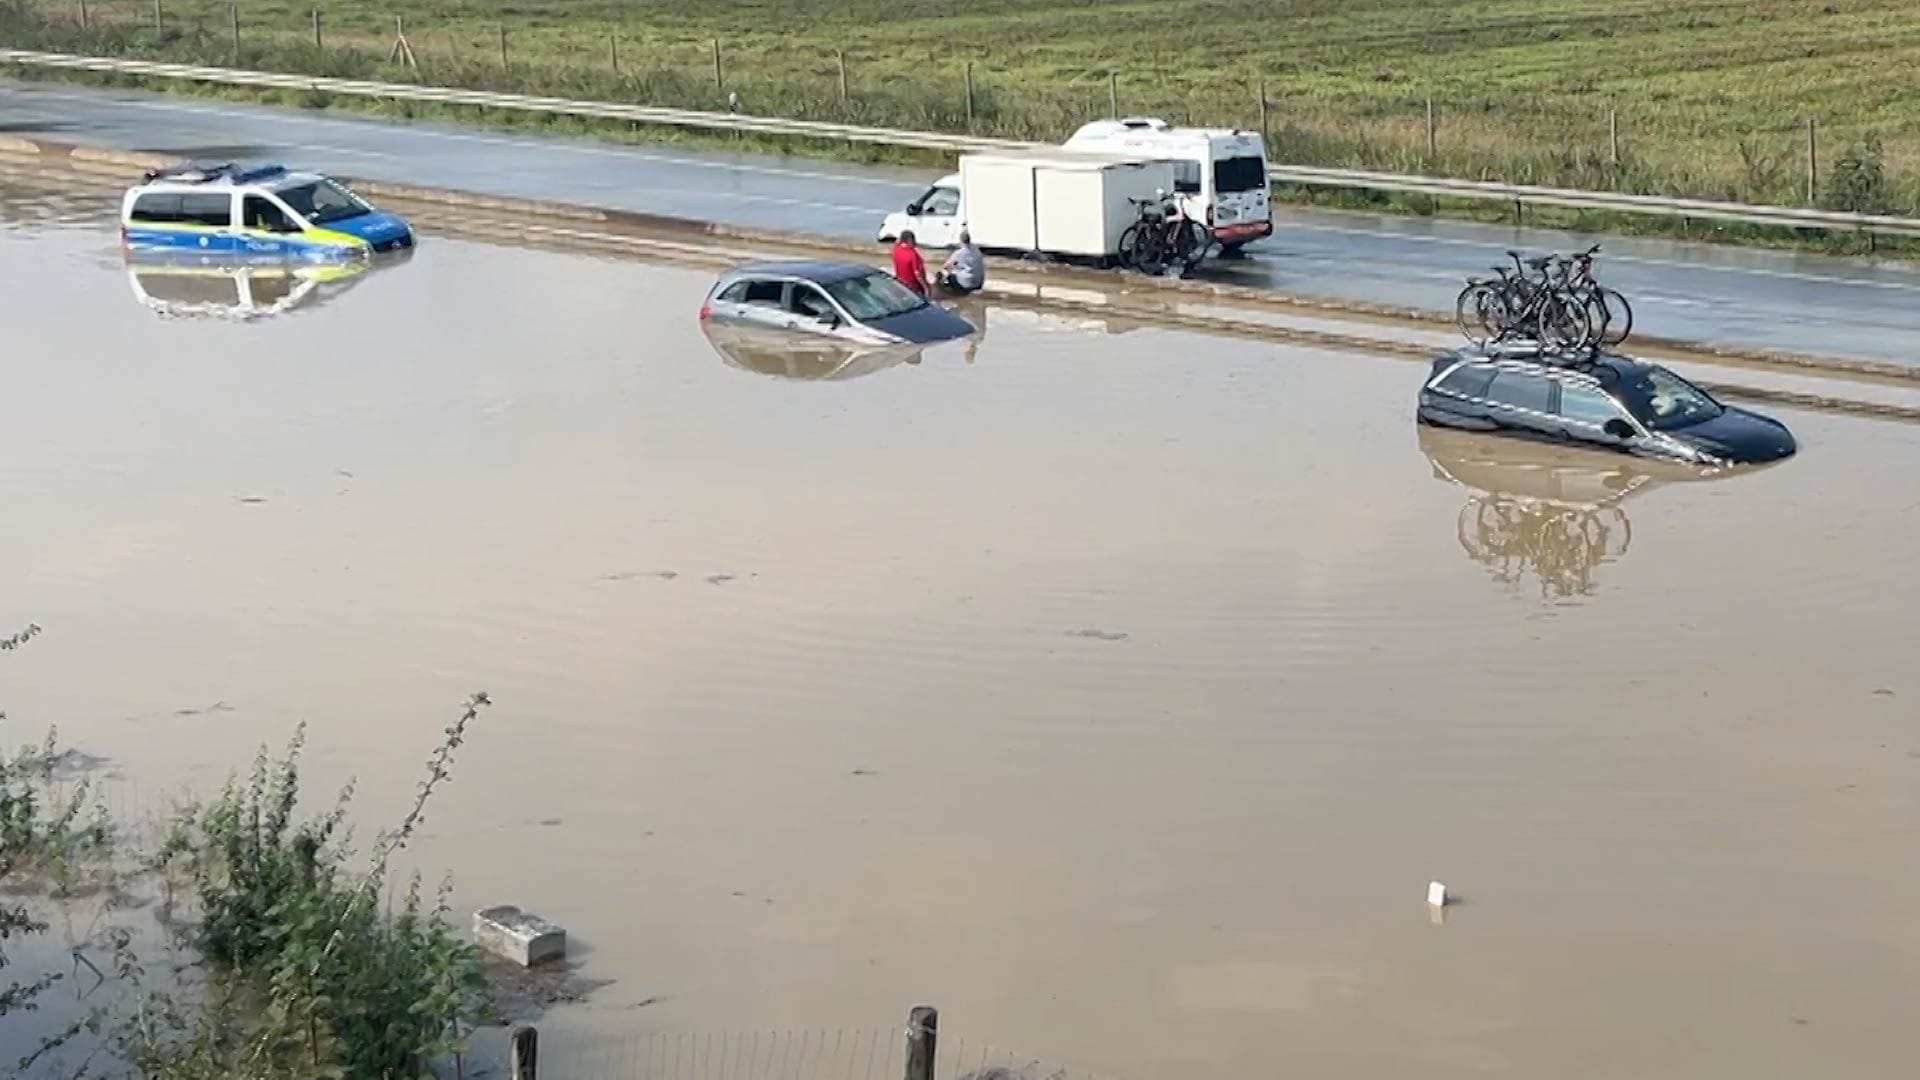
184 288
260 211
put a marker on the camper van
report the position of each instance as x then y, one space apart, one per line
1221 175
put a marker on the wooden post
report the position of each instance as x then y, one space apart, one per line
923 1033
1613 136
504 65
967 76
1432 140
1813 165
840 58
719 81
158 27
1263 109
233 18
523 1053
316 28
85 22
1113 94
613 54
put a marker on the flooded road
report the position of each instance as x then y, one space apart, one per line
1118 692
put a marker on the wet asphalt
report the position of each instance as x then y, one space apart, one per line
1698 292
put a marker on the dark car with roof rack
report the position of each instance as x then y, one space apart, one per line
850 301
1601 399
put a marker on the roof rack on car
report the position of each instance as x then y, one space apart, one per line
201 174
1540 352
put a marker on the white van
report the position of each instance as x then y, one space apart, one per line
1221 173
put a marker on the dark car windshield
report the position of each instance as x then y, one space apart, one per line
875 296
323 201
1664 401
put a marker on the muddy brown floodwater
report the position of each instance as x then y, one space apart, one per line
1117 690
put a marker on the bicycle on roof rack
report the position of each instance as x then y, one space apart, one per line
1163 238
1551 303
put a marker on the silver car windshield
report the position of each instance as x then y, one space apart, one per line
875 296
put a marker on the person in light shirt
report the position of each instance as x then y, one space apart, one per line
965 271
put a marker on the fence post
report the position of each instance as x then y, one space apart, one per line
1113 94
1813 165
316 28
613 53
966 75
504 65
1432 139
233 17
158 28
719 83
1613 136
1263 110
523 1053
85 22
840 58
923 1033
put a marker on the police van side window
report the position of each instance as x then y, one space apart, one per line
158 209
212 209
1522 391
260 213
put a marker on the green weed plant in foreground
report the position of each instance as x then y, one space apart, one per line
301 966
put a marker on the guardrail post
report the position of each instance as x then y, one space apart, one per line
840 58
1113 94
316 29
1432 134
966 75
1813 165
719 81
923 1033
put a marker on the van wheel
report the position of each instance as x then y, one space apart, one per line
1234 251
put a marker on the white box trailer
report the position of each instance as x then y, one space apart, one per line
1066 204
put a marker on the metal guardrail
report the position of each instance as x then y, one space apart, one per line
1517 194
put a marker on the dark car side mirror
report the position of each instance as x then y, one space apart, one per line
913 209
1618 428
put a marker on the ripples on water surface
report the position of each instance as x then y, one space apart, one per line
1119 690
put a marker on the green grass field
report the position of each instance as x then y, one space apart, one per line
1712 96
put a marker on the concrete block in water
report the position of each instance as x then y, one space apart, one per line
519 936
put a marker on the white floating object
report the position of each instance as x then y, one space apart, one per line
519 936
1436 894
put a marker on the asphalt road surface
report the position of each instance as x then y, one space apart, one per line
1755 299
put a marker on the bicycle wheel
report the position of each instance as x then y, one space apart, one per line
1129 246
1479 312
1150 253
1619 317
1195 239
1565 325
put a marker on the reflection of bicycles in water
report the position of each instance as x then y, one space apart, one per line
1561 545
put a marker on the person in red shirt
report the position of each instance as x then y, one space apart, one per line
907 264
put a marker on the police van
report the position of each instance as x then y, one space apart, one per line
1221 173
260 211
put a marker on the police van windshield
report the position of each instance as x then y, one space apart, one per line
322 201
1237 174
